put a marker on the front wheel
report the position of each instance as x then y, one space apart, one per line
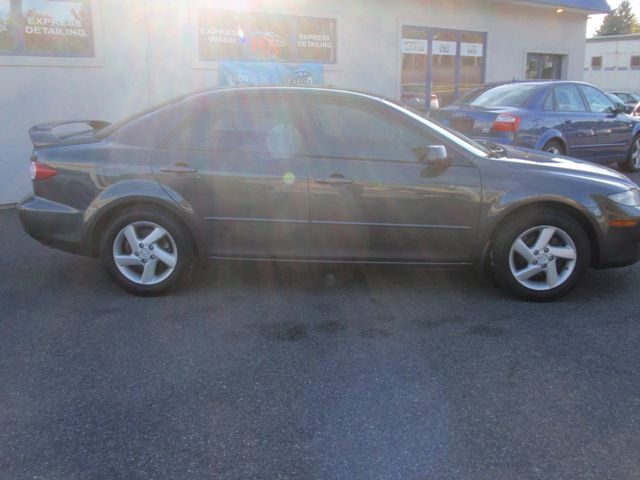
541 256
632 163
145 252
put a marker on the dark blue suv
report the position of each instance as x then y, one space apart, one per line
562 118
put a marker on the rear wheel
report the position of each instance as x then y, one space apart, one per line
632 163
542 256
145 252
554 147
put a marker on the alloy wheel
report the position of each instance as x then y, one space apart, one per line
542 258
145 253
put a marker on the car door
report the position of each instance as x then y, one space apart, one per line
371 198
613 130
571 117
236 164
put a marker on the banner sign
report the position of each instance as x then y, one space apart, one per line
242 73
60 28
225 35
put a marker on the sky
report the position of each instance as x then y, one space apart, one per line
596 20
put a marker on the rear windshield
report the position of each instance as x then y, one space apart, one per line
510 95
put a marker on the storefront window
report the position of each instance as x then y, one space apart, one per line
439 66
541 66
225 35
60 28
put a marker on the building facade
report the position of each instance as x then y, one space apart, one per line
613 62
105 59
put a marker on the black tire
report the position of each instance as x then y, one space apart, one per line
177 244
554 147
632 163
569 235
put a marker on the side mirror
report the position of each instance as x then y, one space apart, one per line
433 155
619 108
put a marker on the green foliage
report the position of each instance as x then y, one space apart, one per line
620 21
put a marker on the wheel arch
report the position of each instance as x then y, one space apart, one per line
107 213
552 136
530 208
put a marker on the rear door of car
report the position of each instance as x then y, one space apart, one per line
613 130
236 164
371 198
566 111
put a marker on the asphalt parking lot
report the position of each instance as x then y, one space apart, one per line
267 372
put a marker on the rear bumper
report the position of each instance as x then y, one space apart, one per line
53 224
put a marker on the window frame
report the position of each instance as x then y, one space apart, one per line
457 154
222 104
586 98
580 96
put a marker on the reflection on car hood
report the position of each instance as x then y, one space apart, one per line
557 164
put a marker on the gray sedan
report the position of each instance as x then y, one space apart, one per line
320 175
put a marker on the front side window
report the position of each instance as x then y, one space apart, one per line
52 28
262 126
598 101
351 130
568 99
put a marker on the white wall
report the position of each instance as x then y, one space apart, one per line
616 72
146 52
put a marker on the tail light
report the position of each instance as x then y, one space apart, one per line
40 171
506 122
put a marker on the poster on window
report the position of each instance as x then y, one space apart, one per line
58 28
7 37
225 35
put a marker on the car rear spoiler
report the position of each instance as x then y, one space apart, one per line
42 135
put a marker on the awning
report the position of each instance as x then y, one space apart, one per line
590 6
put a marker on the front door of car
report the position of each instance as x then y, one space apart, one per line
236 164
372 198
613 130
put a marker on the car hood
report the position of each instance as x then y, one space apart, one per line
541 162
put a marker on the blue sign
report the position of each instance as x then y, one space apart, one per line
243 73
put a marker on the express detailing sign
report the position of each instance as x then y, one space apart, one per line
46 27
225 35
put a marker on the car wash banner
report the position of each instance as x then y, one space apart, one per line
249 36
243 73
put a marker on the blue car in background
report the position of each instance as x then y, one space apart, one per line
563 118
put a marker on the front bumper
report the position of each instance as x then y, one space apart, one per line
620 246
53 224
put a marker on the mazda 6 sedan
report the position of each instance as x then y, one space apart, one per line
320 175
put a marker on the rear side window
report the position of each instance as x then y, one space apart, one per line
244 126
352 130
568 99
509 95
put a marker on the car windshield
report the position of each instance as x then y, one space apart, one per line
509 95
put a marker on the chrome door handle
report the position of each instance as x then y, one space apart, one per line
178 168
604 131
333 180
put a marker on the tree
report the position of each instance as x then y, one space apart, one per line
619 22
